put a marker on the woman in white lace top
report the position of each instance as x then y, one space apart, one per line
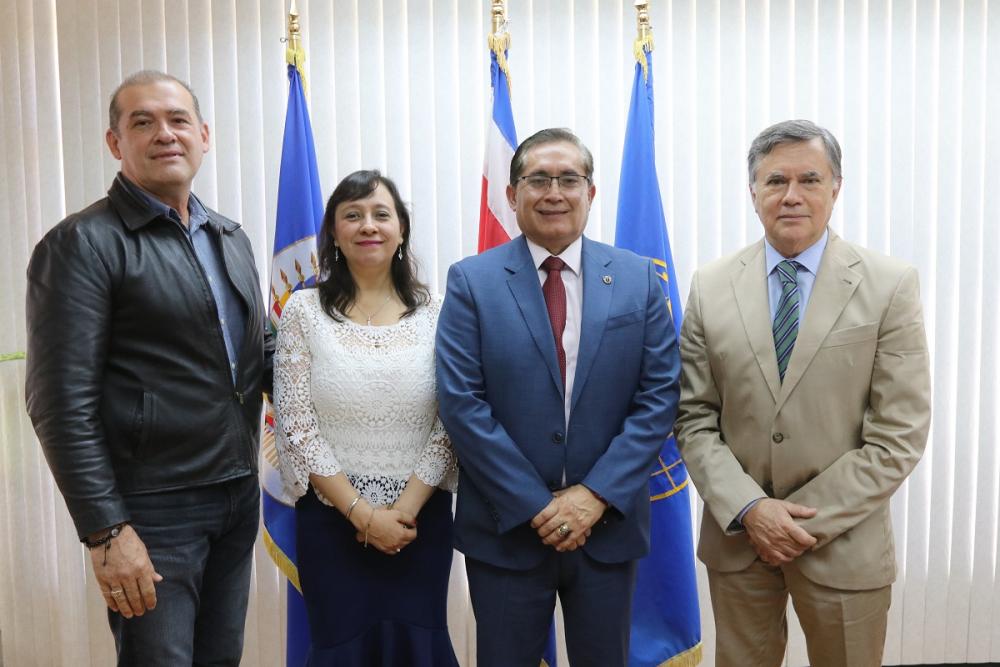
360 444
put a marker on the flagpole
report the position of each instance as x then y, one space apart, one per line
644 40
499 12
298 216
642 19
294 53
294 39
496 220
499 39
666 628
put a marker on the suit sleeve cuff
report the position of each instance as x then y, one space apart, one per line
736 525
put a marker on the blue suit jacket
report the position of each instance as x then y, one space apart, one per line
501 400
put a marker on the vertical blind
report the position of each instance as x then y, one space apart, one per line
911 89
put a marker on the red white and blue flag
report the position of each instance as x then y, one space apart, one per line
497 223
496 219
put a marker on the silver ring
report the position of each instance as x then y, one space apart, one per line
116 592
563 530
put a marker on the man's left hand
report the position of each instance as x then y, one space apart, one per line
565 522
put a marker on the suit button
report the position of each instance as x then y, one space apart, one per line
557 437
777 438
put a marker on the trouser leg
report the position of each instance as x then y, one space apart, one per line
749 609
513 610
597 607
842 628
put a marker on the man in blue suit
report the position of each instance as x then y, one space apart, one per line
558 381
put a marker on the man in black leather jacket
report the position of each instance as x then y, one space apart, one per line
147 360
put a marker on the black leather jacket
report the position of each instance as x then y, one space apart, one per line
128 381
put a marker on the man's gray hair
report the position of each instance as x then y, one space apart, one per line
144 78
792 131
549 136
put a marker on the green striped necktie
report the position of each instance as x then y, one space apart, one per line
786 318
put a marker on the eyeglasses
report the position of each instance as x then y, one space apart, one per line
542 182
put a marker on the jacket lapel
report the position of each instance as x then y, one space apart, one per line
524 286
750 289
597 293
835 283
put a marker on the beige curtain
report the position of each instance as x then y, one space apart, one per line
911 88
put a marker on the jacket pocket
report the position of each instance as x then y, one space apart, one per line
851 335
142 424
624 319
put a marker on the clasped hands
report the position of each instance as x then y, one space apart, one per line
575 507
775 536
388 529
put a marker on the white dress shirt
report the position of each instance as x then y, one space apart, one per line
572 277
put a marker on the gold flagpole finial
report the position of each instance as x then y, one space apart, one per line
499 39
498 10
294 53
644 41
294 35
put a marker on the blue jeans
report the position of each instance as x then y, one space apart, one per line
201 540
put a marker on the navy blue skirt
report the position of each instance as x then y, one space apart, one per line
367 609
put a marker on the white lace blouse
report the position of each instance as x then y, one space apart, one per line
358 399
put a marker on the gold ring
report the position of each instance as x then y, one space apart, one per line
563 530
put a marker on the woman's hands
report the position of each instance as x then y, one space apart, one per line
388 530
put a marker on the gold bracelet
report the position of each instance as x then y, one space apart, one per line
351 507
368 525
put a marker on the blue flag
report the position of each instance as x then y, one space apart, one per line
294 265
666 624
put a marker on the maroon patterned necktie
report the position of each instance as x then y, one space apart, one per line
554 292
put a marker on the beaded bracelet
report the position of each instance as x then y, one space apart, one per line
106 540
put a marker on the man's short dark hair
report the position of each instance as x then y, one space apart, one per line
549 136
144 78
792 131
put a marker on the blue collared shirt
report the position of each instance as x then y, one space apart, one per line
207 248
808 259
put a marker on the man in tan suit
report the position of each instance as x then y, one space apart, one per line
805 403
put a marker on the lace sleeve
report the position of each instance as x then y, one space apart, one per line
437 465
302 450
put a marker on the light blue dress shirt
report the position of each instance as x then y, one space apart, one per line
207 248
808 259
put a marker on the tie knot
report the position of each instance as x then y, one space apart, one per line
553 264
788 271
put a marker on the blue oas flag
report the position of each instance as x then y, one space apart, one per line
300 214
666 626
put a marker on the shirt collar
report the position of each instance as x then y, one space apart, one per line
197 213
809 258
571 255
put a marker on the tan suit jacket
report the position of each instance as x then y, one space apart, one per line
841 433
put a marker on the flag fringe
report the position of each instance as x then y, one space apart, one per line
296 56
284 564
689 658
498 43
640 47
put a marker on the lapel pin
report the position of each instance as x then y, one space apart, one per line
607 280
